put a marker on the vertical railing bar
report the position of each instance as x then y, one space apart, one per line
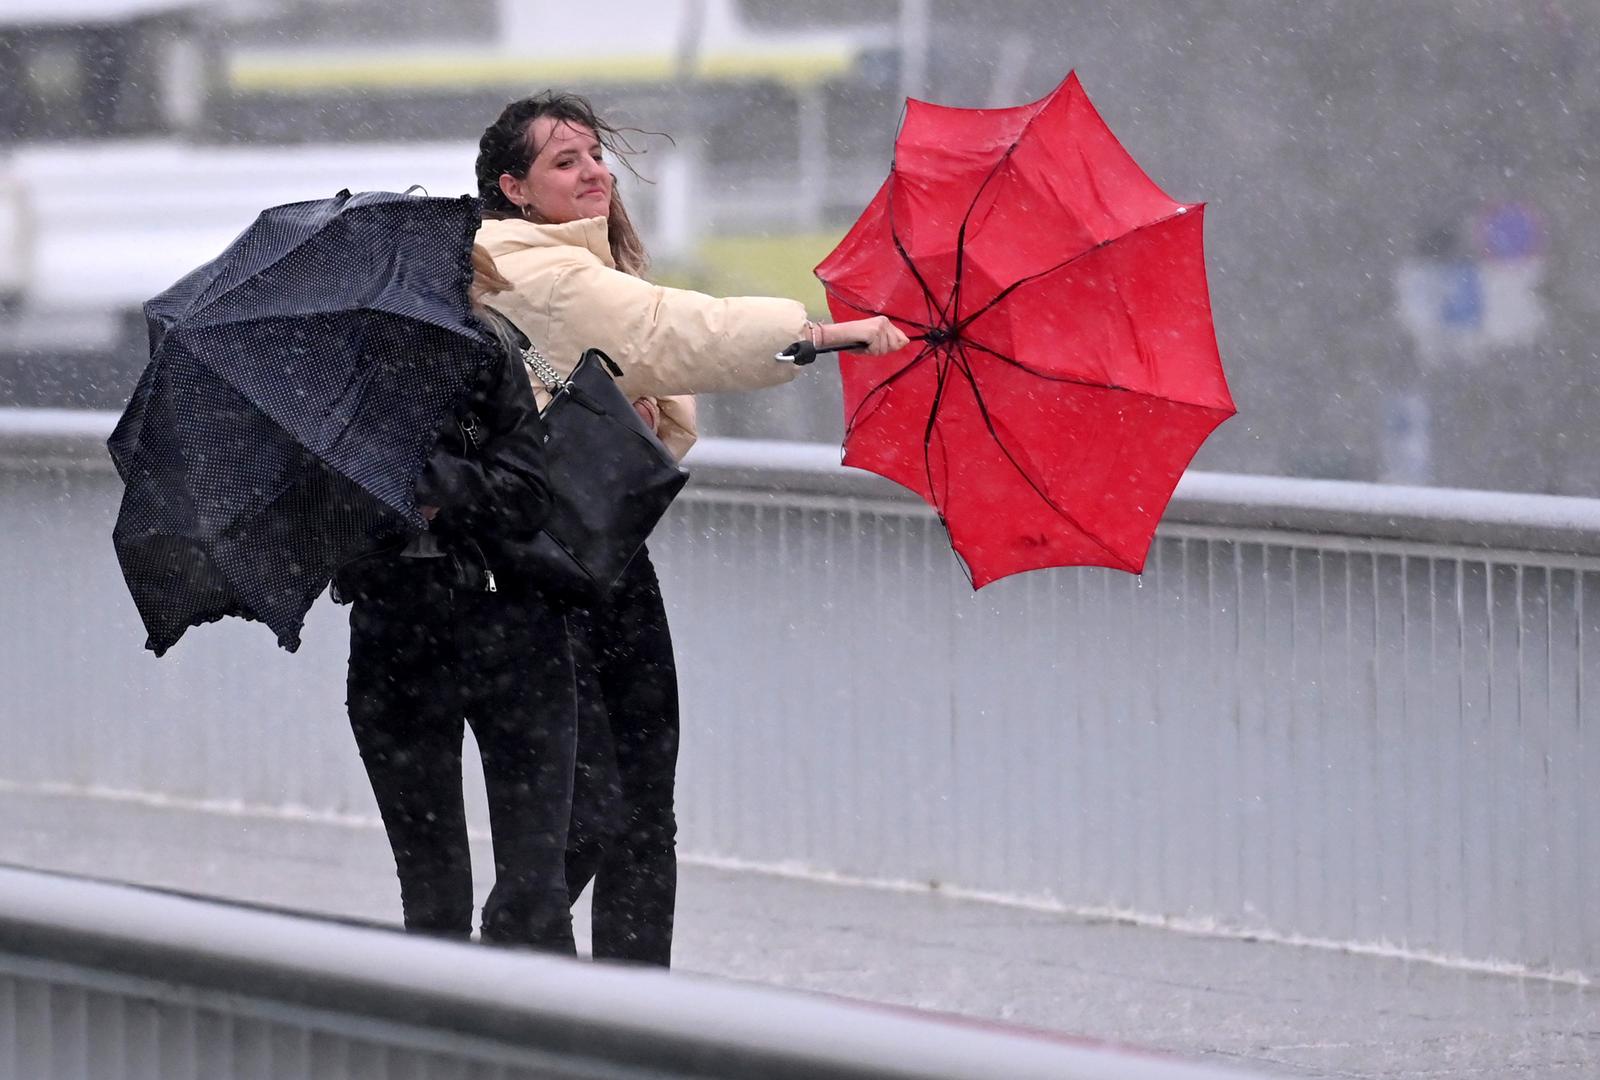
827 825
1239 829
1492 759
1552 807
1183 727
1026 836
1407 791
1268 721
1117 797
1464 753
1081 833
1583 823
764 738
1326 809
1436 760
1055 864
883 808
1352 742
931 547
1213 736
861 733
1375 740
1165 724
1522 857
1580 842
746 521
1295 748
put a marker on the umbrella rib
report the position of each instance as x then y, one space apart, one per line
312 234
894 232
866 309
1020 366
304 240
855 417
1088 383
961 237
369 309
937 502
961 234
240 594
1064 263
905 257
927 463
988 421
232 384
927 438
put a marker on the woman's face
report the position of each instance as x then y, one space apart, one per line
569 179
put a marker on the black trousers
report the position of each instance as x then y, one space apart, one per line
624 829
424 659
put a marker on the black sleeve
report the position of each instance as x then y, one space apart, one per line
503 487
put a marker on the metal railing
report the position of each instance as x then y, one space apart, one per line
1328 712
106 982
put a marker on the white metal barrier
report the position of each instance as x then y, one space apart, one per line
1328 712
107 982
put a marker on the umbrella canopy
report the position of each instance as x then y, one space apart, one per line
1064 370
296 385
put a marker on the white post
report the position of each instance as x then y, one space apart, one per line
15 236
812 141
913 48
677 188
679 220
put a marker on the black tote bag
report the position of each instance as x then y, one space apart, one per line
610 479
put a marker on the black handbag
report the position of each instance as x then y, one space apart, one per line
610 479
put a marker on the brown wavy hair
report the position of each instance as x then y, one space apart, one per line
507 147
486 278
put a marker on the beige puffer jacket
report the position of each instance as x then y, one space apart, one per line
567 295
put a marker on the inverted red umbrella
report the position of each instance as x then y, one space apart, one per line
1064 369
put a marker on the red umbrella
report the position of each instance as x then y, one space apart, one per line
1064 370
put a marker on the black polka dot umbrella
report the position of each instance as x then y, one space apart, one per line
295 387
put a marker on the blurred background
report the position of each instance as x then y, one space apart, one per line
1402 232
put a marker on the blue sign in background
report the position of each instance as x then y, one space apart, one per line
1510 230
1461 300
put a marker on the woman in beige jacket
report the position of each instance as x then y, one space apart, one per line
558 230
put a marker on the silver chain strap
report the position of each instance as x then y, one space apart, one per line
543 370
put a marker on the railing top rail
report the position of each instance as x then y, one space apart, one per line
1485 519
602 1017
1489 519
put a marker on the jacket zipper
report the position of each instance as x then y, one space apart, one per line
472 436
489 583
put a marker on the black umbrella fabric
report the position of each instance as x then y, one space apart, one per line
296 385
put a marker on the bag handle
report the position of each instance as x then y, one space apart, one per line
543 370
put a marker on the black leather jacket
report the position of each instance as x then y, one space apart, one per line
486 476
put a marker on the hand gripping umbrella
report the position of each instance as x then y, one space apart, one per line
1064 370
295 388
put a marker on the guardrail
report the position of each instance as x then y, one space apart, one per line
1341 714
101 981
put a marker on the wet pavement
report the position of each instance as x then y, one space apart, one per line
1278 1008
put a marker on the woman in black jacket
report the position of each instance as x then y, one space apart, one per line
446 631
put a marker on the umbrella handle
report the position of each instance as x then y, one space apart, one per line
802 353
